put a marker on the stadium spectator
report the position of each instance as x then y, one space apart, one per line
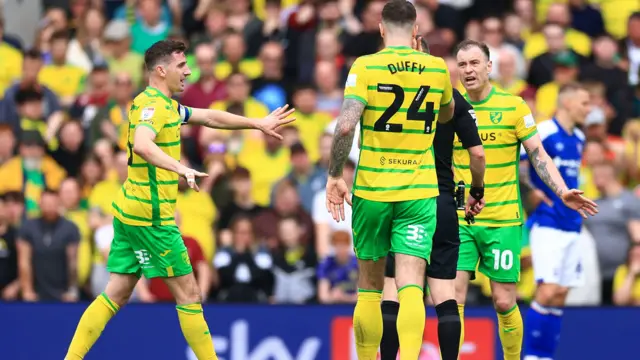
615 227
206 89
493 36
71 151
149 26
626 286
586 18
234 52
338 273
631 48
85 49
305 176
325 226
242 203
513 30
215 26
272 88
367 40
294 266
65 80
72 209
507 77
565 70
30 172
330 93
96 95
324 150
117 37
310 122
243 266
14 204
286 203
9 284
47 254
101 227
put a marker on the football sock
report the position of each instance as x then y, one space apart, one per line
542 331
461 313
196 331
511 332
411 319
448 329
367 324
91 324
390 344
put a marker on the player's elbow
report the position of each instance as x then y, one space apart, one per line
476 154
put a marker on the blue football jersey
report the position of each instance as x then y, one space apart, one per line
566 152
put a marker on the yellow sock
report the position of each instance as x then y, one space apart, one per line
196 331
410 323
511 332
461 312
91 324
367 324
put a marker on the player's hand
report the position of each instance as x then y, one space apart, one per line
537 196
277 118
337 193
474 207
190 175
30 296
573 199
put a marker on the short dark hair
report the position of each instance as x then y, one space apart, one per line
468 43
100 68
60 35
50 191
634 16
33 54
240 173
26 95
399 12
13 196
161 50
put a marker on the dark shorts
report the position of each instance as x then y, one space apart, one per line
446 243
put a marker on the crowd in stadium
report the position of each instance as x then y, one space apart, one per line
258 230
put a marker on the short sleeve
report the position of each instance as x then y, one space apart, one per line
154 115
25 232
185 113
465 122
356 86
447 92
526 124
73 234
323 268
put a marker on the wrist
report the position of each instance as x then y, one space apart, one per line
477 192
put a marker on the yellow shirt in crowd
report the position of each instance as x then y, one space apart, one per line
252 68
64 81
311 127
536 44
618 279
197 215
81 219
266 169
546 100
11 69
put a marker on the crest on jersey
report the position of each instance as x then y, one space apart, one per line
147 114
495 116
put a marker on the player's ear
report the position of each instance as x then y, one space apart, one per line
161 70
381 29
489 66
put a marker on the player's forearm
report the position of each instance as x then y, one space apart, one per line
218 119
477 165
152 154
445 113
344 134
546 169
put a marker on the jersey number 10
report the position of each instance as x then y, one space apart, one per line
413 113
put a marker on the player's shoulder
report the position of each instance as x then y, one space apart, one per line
547 129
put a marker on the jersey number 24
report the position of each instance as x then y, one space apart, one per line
413 112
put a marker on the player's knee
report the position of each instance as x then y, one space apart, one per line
120 287
503 303
410 270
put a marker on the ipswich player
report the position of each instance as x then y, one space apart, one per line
397 94
555 231
492 244
146 239
441 271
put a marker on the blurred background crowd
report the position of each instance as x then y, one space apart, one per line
258 230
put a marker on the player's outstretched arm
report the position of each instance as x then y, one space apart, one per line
548 172
218 119
145 147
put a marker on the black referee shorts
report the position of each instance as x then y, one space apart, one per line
446 243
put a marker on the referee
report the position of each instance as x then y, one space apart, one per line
441 270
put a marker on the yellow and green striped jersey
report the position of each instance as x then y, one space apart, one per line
402 90
504 121
148 197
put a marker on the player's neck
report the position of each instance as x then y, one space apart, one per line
392 40
565 121
480 94
161 86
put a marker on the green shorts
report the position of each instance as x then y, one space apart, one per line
403 227
152 251
496 248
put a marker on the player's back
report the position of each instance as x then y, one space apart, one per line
148 197
504 121
565 149
403 90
